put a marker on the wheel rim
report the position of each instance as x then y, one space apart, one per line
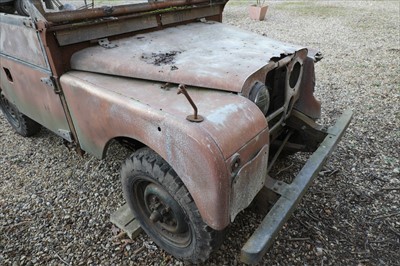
10 111
162 213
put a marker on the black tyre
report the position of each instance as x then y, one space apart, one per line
21 8
165 209
22 124
9 9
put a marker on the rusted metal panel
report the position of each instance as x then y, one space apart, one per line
109 28
249 175
225 114
196 151
249 181
307 103
190 14
30 87
74 33
18 39
32 96
111 11
211 55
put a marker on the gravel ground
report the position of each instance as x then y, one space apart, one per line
55 205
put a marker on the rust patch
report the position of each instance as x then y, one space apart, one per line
159 59
215 56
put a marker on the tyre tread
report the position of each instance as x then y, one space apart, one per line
148 161
26 127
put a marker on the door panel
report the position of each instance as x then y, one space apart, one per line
23 72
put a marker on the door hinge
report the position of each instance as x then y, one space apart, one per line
51 82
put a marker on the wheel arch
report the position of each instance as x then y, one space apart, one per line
101 114
214 208
129 142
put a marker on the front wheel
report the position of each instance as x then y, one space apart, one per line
165 209
7 8
22 124
20 6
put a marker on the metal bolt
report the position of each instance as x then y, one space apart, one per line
155 216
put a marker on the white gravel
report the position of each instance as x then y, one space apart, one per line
55 205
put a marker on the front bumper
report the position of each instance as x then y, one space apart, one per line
291 194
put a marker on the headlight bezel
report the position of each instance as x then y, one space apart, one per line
259 95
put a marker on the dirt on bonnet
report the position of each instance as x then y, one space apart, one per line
55 205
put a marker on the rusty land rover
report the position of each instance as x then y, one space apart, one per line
93 75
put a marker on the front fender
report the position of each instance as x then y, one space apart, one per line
104 107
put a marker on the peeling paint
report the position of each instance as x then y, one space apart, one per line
221 115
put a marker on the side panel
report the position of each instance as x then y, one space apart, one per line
23 66
104 107
100 115
20 41
307 103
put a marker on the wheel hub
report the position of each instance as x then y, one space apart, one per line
164 210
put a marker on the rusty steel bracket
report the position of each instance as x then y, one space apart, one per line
51 82
195 117
291 194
